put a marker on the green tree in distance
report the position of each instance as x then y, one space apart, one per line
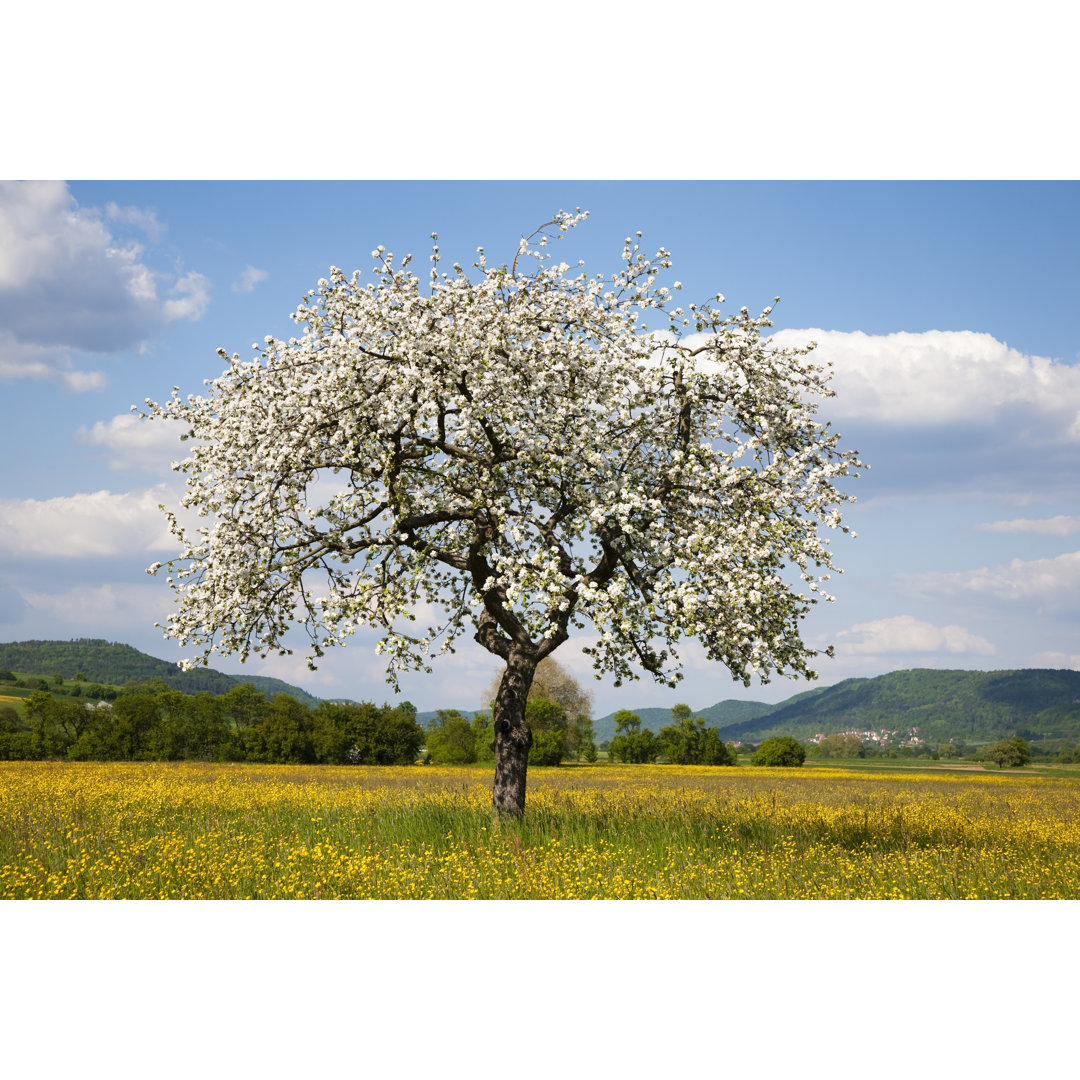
630 743
1011 753
781 750
841 746
548 723
451 739
690 742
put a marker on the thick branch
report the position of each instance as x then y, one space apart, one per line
488 635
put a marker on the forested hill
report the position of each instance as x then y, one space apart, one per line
944 705
975 706
112 663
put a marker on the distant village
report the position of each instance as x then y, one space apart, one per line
884 737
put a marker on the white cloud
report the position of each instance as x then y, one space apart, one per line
1054 581
906 634
86 525
24 360
79 382
68 285
944 377
249 279
138 444
1062 525
191 295
95 609
1056 660
139 216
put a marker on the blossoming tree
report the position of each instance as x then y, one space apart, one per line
518 452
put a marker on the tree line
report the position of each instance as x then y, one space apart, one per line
685 742
153 722
156 723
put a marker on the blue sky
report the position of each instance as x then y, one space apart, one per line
947 307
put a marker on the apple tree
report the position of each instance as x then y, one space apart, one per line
512 451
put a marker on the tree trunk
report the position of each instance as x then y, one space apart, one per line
512 736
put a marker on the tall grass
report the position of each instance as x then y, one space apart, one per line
78 830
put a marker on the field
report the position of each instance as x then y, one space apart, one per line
122 830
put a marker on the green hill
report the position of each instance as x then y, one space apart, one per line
974 706
114 664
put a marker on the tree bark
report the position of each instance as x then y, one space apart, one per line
512 736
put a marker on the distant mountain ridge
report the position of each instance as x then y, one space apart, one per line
425 718
101 661
975 706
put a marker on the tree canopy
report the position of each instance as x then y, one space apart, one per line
518 453
689 742
1008 752
151 722
781 750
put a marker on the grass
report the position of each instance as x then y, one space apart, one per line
124 830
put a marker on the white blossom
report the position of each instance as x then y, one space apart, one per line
511 450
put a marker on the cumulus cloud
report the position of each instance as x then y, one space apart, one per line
84 526
906 634
247 281
150 445
1054 581
189 298
67 285
1062 525
950 411
943 377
